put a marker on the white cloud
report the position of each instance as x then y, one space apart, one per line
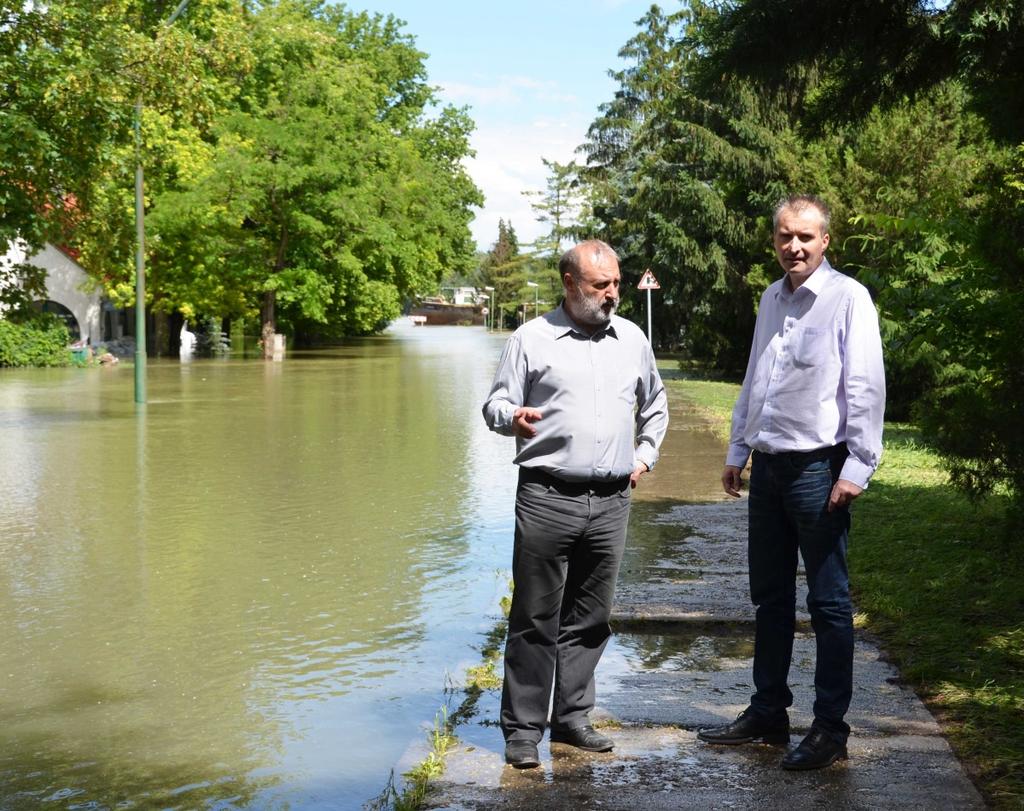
481 95
507 163
520 120
506 90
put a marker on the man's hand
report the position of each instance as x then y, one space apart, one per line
634 477
521 420
842 494
731 480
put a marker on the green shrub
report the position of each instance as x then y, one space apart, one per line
41 340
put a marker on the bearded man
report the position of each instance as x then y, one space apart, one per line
579 389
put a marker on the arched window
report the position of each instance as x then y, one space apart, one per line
64 314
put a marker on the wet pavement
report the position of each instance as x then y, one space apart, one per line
679 661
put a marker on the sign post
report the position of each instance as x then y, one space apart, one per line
648 283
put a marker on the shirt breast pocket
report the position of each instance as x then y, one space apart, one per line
812 346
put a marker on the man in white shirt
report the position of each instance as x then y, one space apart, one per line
810 411
579 389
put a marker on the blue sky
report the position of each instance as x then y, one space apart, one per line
533 74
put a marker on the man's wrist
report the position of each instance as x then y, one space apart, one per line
856 472
737 460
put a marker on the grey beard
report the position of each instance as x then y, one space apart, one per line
590 312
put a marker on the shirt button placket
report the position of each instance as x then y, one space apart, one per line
597 405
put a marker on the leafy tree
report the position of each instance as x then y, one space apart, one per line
509 270
327 194
946 259
684 177
186 74
976 412
563 206
505 269
294 163
913 179
61 108
860 54
506 248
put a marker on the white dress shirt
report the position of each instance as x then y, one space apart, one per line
603 403
815 376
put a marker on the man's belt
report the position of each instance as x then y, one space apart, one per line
597 487
816 455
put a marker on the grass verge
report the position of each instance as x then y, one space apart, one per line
939 581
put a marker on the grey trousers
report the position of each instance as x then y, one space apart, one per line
569 541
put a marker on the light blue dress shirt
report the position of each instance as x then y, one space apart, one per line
815 376
603 403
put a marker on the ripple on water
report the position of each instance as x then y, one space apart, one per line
203 599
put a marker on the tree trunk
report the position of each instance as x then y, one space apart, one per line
269 322
161 335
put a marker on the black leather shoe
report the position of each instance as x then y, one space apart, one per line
817 750
586 738
522 754
746 728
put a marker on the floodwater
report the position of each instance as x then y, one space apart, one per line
254 592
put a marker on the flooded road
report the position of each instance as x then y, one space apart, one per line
250 595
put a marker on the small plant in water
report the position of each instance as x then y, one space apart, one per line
441 739
483 676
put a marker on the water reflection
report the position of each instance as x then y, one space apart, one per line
683 648
251 592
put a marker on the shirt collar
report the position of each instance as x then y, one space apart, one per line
814 284
563 324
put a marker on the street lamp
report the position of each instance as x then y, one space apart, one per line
490 313
536 302
140 245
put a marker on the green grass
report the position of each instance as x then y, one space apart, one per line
940 583
711 400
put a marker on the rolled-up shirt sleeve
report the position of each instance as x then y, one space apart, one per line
601 400
814 378
864 385
508 391
651 414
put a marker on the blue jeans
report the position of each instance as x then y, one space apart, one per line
788 506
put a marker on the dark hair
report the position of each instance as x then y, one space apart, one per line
798 202
595 248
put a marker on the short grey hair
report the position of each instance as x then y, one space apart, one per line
595 249
798 202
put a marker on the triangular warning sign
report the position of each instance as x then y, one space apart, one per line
648 282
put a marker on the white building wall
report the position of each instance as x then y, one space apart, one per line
66 283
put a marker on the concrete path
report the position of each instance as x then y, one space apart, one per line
680 660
